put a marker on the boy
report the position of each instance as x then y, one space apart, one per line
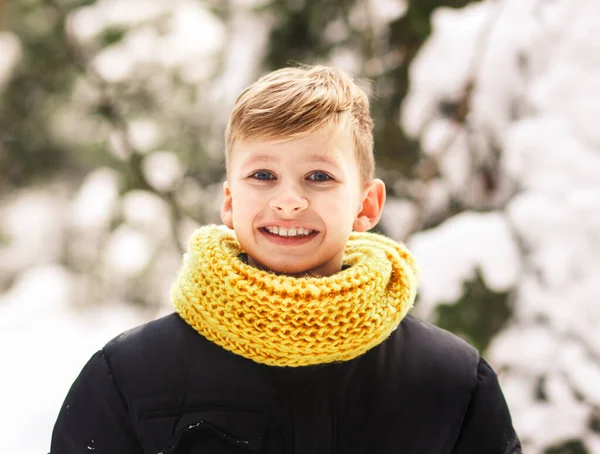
291 335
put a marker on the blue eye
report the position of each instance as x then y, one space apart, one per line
319 177
262 175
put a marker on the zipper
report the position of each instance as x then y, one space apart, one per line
289 423
332 398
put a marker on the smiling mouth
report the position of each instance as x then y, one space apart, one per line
283 232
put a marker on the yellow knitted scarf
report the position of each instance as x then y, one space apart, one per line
281 320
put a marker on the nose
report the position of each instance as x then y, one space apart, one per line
288 202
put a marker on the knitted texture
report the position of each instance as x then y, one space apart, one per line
281 320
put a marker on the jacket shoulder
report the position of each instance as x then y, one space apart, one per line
431 353
153 358
147 335
153 341
436 340
167 355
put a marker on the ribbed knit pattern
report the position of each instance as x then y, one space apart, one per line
281 320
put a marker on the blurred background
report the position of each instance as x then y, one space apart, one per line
487 136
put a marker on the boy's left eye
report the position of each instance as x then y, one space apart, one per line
319 177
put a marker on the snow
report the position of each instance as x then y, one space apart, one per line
536 69
141 209
450 255
49 325
539 159
566 369
583 370
33 228
398 217
86 23
44 344
144 134
127 252
561 418
535 344
346 59
10 55
189 36
163 170
388 10
374 15
456 164
195 33
94 204
242 57
118 247
449 51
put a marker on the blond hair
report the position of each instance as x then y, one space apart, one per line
293 102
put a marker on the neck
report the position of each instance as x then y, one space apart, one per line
318 271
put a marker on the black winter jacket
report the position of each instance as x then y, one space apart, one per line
163 388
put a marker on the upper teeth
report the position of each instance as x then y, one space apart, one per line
282 231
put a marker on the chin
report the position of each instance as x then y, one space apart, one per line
291 269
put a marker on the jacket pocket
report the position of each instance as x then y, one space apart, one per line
219 431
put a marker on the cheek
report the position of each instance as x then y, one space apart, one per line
245 204
337 209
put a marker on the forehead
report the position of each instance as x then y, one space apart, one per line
319 146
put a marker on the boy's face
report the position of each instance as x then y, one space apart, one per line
293 204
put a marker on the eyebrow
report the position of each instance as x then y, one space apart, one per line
309 158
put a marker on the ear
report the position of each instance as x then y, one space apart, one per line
227 207
371 207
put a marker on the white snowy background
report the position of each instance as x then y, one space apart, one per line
534 117
538 94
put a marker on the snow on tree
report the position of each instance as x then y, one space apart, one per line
527 75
